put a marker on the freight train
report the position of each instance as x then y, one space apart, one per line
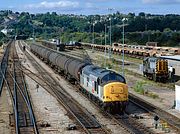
136 51
156 69
105 87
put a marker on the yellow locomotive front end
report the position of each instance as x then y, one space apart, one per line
115 96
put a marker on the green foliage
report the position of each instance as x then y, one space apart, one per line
139 87
140 29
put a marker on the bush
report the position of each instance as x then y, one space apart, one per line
139 87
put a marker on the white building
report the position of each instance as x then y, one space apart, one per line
5 31
177 91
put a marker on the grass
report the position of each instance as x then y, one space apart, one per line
127 58
139 87
153 95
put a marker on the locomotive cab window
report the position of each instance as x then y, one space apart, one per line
113 77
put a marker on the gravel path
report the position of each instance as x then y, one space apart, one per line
5 111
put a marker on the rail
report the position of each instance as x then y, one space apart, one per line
3 66
128 123
125 121
85 119
172 120
23 114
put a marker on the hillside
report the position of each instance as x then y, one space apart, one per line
139 29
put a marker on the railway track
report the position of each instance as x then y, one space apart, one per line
128 123
172 120
84 118
3 66
23 118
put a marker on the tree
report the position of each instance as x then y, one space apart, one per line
142 14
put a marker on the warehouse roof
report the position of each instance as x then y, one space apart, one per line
175 57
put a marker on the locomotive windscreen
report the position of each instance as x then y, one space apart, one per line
113 77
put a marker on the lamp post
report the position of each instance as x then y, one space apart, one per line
123 20
110 38
93 34
110 32
89 22
105 43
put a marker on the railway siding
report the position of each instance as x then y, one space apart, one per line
22 119
141 127
172 120
85 119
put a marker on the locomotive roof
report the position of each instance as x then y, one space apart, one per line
96 71
104 75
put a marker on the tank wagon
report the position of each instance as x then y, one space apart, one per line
155 68
105 87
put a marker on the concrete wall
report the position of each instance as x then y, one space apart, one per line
176 65
177 92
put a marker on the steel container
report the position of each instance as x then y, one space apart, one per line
74 68
60 61
52 57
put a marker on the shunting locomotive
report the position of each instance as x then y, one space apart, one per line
155 68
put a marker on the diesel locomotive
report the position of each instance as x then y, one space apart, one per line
155 68
105 87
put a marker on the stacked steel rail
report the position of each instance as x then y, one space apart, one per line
85 119
23 114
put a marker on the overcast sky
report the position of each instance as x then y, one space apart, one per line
93 6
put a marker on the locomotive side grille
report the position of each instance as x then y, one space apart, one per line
161 67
